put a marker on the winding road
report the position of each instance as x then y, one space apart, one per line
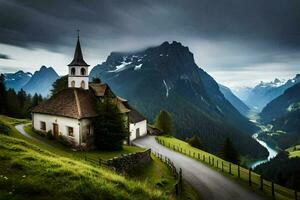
210 184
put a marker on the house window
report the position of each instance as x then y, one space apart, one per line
70 131
73 71
43 126
82 70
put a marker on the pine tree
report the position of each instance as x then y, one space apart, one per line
164 122
229 153
59 84
22 98
109 127
196 142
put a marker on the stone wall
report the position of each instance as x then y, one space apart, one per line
129 162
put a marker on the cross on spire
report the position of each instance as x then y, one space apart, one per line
78 30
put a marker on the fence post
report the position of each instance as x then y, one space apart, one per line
85 158
229 168
176 189
250 183
296 195
273 189
217 163
261 183
213 162
203 157
222 166
100 161
180 178
239 173
198 156
209 159
193 154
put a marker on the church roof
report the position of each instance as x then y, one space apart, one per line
71 102
78 58
134 115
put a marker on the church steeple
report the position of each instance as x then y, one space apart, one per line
78 58
78 69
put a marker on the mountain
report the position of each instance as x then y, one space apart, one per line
284 114
17 80
265 92
41 81
234 100
167 77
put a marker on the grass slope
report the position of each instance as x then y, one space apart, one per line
27 171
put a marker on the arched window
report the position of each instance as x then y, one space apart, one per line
73 71
82 70
82 85
73 84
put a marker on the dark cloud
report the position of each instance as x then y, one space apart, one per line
4 56
52 23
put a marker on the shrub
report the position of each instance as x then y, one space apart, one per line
164 123
4 129
196 142
50 135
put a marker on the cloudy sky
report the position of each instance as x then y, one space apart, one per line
238 42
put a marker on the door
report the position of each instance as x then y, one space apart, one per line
55 130
137 133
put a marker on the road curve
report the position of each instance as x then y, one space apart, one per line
210 184
20 128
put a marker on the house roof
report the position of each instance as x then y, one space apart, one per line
71 102
78 57
99 88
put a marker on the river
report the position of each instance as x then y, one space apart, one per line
272 152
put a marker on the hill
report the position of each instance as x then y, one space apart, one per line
24 167
284 115
234 100
167 77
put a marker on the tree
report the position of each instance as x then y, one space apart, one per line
22 98
96 80
109 127
196 142
229 153
59 85
2 95
164 122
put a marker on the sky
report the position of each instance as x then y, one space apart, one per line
238 42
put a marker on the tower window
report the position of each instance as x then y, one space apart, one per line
82 84
73 71
82 70
73 84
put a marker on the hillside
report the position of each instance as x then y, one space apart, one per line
284 115
167 77
234 100
24 167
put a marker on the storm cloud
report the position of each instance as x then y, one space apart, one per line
239 33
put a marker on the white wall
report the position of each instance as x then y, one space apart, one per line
63 123
142 125
78 80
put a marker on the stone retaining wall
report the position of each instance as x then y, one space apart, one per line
129 162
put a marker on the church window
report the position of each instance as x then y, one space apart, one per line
82 71
73 71
43 126
73 84
70 131
82 84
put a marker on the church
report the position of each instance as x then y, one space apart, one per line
69 113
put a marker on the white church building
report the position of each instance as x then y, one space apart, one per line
69 113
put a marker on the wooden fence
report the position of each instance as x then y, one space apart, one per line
177 175
254 180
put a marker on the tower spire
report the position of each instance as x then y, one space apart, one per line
78 57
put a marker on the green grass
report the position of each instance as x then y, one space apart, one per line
29 172
157 173
294 151
216 163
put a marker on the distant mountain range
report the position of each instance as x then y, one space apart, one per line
166 77
40 82
265 92
234 100
284 114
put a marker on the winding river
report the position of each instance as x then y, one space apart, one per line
272 152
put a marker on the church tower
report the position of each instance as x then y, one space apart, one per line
78 70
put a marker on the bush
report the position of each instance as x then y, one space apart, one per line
4 129
164 123
49 135
196 142
229 153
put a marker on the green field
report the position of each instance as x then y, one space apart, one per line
228 169
156 177
28 172
294 151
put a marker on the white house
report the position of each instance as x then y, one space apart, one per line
69 113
